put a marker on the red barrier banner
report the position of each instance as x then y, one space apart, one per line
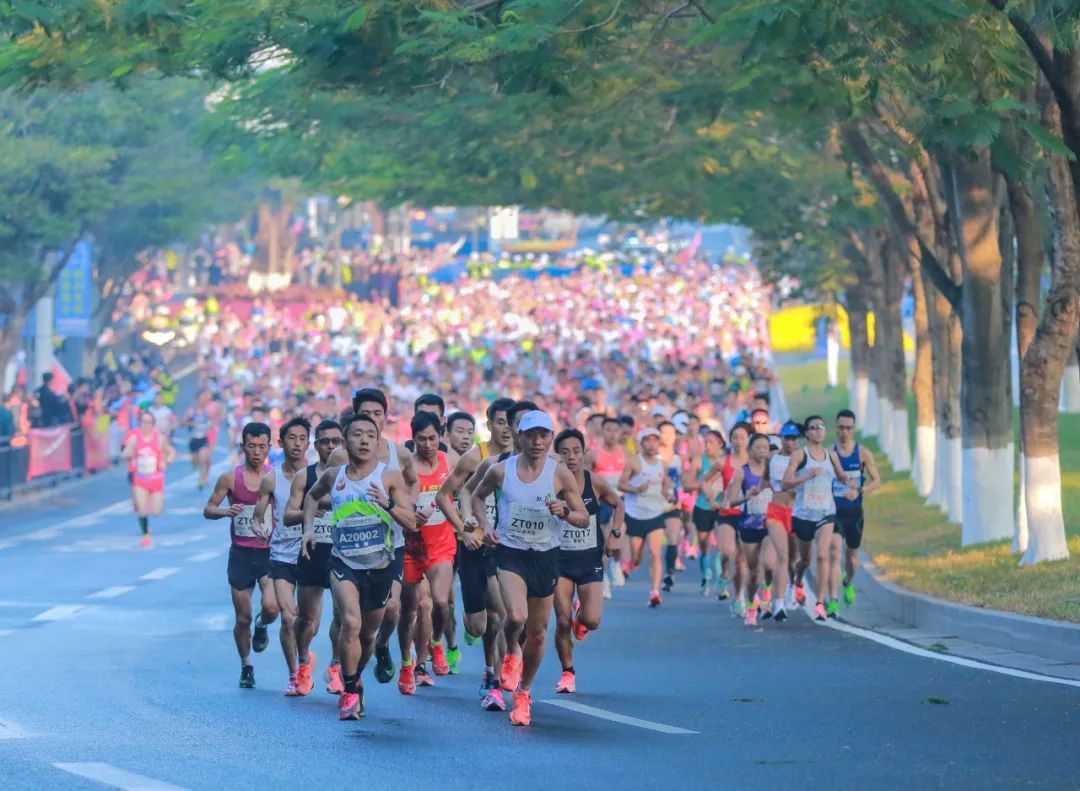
96 445
50 451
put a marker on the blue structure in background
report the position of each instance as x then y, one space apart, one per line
74 294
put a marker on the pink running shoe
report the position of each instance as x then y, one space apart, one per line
493 700
751 617
819 612
350 707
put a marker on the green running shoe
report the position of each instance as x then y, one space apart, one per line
849 594
453 660
470 640
832 609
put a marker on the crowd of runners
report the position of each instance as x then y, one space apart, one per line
538 440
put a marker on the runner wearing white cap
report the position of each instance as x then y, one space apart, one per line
534 489
649 495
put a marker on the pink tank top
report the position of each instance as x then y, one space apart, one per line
609 464
240 526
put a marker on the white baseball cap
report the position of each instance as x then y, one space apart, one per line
534 420
647 432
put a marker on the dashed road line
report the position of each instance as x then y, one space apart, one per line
60 613
111 593
117 778
612 716
9 730
159 574
202 557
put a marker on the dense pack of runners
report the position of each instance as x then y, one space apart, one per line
514 469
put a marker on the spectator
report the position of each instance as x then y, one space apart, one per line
7 422
54 409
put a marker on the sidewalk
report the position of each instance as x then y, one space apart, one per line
1035 645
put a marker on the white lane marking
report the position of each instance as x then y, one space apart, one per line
117 778
7 544
59 613
217 623
202 557
9 730
592 711
44 534
184 511
159 574
7 603
914 650
111 593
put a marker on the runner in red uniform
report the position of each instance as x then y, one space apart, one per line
148 454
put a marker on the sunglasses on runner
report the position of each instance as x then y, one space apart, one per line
335 441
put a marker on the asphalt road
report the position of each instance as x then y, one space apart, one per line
119 665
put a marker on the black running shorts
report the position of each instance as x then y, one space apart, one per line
806 529
247 565
539 569
477 566
283 571
849 524
640 528
582 567
704 519
315 573
373 586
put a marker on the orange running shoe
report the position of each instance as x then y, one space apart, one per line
334 684
290 690
406 680
438 660
145 542
521 714
567 682
510 677
304 682
800 595
579 629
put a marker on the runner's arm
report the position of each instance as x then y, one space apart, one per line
567 491
168 452
492 480
444 498
212 509
294 508
838 468
606 494
408 472
402 512
266 491
629 471
311 503
791 480
870 466
733 490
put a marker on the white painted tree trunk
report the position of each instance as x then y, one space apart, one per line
1020 534
832 359
987 485
1014 365
940 473
955 486
1070 390
885 426
860 402
901 439
1046 525
871 422
924 470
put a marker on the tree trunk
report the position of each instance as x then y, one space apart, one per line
879 417
922 471
895 362
1043 367
986 314
1030 257
860 350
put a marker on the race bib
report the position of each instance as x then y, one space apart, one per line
529 525
146 464
492 509
425 502
359 534
324 529
577 539
818 495
839 488
243 523
759 503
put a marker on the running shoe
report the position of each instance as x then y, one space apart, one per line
566 682
423 678
704 587
304 682
766 595
765 613
350 706
780 615
579 629
618 578
790 602
668 582
832 609
438 660
849 593
493 700
453 660
384 664
290 690
819 612
510 677
654 599
750 619
470 640
605 587
679 565
487 682
407 680
738 608
332 675
722 592
800 595
260 639
522 713
247 677
144 542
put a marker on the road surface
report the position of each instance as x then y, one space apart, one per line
120 672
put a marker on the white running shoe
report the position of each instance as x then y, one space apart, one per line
617 577
605 587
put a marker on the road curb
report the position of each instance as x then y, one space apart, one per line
1057 640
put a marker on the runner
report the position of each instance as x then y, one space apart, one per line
148 452
200 423
480 595
673 525
732 562
704 516
649 497
313 569
810 474
750 489
607 462
861 469
274 492
581 559
534 488
428 556
249 553
778 522
367 499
